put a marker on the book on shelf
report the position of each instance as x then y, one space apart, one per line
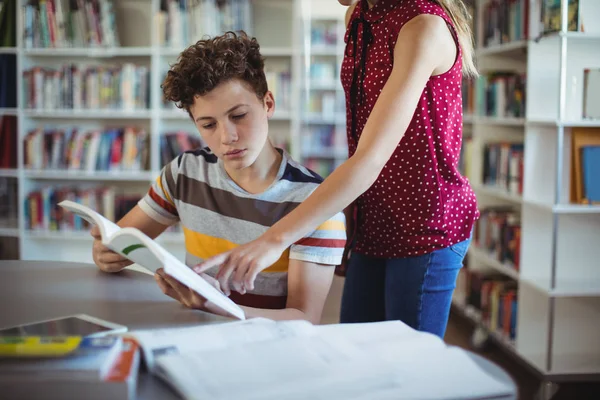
591 93
494 296
8 81
8 25
465 160
504 22
280 83
41 212
180 23
503 166
102 368
362 361
174 143
501 94
76 23
137 247
590 160
498 233
72 149
8 141
119 87
584 165
324 33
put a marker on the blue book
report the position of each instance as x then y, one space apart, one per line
590 163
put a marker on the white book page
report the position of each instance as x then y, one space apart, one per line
186 276
138 247
275 370
454 372
159 342
107 228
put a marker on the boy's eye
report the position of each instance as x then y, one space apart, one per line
208 126
239 116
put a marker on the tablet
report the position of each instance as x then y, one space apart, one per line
72 325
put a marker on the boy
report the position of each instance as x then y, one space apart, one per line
230 192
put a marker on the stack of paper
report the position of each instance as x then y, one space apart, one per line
263 359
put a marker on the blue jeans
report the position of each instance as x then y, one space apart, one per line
416 290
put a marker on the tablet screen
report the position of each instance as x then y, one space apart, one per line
59 327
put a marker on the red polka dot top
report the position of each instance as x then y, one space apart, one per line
420 202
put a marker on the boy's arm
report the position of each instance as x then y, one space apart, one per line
308 287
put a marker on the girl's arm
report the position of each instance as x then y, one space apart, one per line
425 47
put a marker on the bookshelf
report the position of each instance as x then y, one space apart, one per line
142 40
557 283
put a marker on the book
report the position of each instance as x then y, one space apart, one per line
264 359
137 247
118 381
91 359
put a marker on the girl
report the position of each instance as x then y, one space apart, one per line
409 210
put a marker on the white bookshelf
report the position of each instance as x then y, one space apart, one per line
559 275
280 26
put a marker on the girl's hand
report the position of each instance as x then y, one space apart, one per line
239 267
186 296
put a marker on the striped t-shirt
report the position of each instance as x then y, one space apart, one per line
218 215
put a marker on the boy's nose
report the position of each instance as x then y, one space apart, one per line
228 134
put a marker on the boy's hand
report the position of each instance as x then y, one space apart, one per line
106 259
239 267
186 296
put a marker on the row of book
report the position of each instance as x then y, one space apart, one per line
317 138
79 23
42 212
122 86
174 143
180 23
280 83
494 296
323 103
503 166
8 141
115 149
324 33
504 21
498 94
498 233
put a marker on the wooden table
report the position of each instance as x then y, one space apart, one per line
38 290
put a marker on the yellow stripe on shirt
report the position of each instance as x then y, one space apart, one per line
204 247
159 183
332 225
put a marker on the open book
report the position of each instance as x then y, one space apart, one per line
136 246
264 359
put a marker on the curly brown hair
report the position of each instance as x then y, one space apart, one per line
209 62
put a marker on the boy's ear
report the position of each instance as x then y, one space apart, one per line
269 103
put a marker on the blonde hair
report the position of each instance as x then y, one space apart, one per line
457 11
